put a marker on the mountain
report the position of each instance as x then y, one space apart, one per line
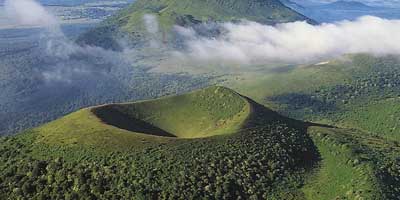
347 5
130 23
199 114
342 10
212 143
359 91
293 5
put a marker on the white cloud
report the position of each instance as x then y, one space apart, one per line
72 59
28 13
151 23
297 42
152 27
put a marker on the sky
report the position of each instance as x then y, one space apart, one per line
386 3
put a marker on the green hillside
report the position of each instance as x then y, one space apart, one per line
208 144
354 165
209 112
356 91
129 23
211 143
203 113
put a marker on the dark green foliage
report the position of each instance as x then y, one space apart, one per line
101 37
373 79
43 103
265 159
389 174
381 154
252 163
304 102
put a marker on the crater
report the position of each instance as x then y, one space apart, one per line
203 113
112 116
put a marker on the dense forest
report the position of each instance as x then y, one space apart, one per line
266 158
371 90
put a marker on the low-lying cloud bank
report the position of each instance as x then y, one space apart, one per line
249 42
28 13
378 3
65 60
239 44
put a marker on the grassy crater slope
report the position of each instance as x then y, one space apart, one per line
129 23
211 143
209 112
203 113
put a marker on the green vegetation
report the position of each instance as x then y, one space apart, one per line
30 96
27 101
342 173
373 161
208 112
203 113
211 143
357 91
260 154
129 23
378 116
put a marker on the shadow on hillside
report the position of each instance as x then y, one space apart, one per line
261 116
299 102
113 117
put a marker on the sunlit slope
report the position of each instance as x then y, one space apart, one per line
129 23
203 113
208 144
85 128
184 12
354 165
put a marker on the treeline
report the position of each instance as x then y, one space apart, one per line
373 79
266 162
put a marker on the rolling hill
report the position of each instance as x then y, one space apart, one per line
346 5
130 24
211 143
215 143
204 113
343 10
357 91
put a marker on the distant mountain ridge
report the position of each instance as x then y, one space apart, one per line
372 3
343 9
347 5
130 24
